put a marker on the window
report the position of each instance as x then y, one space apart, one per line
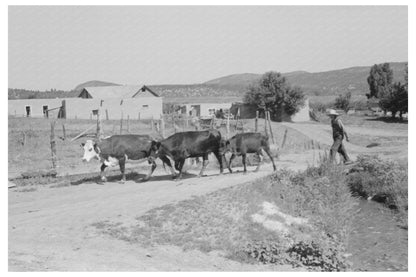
145 107
27 108
45 111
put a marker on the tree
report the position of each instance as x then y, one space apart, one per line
380 80
343 102
294 100
396 100
274 94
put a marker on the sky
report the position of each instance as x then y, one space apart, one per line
61 47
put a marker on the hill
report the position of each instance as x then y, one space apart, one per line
332 82
94 83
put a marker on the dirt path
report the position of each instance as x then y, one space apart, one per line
50 228
322 133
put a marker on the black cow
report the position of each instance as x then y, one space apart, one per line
181 146
244 143
118 149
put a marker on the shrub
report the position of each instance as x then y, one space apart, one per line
384 181
343 102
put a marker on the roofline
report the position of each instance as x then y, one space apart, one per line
147 88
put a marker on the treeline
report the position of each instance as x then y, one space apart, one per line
14 93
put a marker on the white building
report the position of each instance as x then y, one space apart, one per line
138 102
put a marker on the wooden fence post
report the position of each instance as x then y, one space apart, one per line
128 124
121 123
270 126
265 123
256 122
24 138
106 114
63 131
284 139
228 127
173 123
53 145
162 126
152 124
99 126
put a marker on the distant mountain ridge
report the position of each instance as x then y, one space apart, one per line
94 83
333 82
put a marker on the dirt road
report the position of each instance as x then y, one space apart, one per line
50 228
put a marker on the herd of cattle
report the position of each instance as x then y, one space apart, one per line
176 148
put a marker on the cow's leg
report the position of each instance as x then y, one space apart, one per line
180 164
169 164
260 155
219 158
152 168
229 163
267 150
102 174
205 162
244 156
122 164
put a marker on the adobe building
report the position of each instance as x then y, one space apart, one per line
114 102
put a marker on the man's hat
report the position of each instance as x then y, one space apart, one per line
332 112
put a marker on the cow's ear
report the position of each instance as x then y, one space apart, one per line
96 148
227 143
158 144
82 145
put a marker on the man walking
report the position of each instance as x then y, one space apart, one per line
338 132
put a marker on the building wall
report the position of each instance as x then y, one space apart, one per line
82 108
18 107
206 107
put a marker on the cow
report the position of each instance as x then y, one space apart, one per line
244 143
192 144
118 149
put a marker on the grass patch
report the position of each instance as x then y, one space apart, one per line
383 181
287 218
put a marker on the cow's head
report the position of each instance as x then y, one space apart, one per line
224 146
91 151
154 150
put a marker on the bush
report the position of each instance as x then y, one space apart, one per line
384 181
343 102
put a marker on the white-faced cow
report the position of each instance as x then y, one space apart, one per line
117 150
244 143
181 146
